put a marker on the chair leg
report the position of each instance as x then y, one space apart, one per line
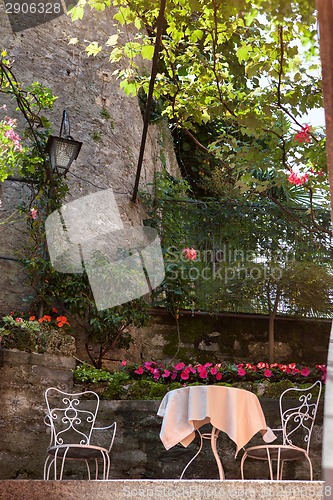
310 465
63 464
270 464
278 465
88 469
55 465
45 475
281 472
108 465
96 469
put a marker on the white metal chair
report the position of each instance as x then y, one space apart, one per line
297 424
72 418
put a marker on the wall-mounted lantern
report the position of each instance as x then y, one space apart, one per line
63 150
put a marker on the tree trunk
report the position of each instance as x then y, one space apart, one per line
271 326
271 339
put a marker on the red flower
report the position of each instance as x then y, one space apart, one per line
305 371
166 374
297 179
32 318
61 321
241 372
55 310
303 135
185 375
139 371
123 363
18 320
218 376
44 318
267 373
179 366
190 253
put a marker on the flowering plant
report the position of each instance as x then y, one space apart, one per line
210 373
27 333
11 150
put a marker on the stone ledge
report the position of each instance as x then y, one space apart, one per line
162 490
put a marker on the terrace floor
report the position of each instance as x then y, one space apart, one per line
161 490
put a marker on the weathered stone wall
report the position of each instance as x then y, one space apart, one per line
138 451
107 122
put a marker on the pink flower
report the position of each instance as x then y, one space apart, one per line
139 371
203 372
305 371
33 213
190 253
218 376
267 373
123 363
185 375
166 373
179 366
4 107
174 375
213 371
261 365
297 179
292 366
241 372
303 135
18 320
156 374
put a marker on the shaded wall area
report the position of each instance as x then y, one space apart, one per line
138 452
235 338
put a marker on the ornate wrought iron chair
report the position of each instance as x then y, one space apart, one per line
297 424
72 421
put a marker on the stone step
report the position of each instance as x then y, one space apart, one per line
163 489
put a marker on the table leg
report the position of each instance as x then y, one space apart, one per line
213 439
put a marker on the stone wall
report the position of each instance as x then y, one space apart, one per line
234 338
138 452
107 122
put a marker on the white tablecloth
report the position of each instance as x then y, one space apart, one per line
234 411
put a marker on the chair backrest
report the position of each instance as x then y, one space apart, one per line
71 416
298 415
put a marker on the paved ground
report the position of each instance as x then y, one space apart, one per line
162 490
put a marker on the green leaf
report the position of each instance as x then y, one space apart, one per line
148 52
93 49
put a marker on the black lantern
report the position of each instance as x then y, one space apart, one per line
63 150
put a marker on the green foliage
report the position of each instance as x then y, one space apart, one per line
31 335
126 384
23 154
234 83
246 252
